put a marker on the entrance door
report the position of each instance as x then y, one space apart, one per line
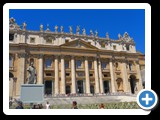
132 83
80 88
48 87
106 86
68 89
92 89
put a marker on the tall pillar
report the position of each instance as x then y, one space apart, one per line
87 76
140 86
73 75
96 76
11 87
40 73
63 86
21 75
113 90
56 75
100 77
125 78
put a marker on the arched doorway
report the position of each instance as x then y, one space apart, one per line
119 85
68 89
133 83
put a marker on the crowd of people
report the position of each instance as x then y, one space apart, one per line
46 106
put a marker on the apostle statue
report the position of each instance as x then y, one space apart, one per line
56 28
70 29
83 31
32 77
62 29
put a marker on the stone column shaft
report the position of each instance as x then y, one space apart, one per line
21 75
100 77
87 77
112 77
125 78
63 86
140 86
73 75
56 75
96 76
40 69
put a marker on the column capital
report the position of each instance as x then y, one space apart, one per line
40 56
56 56
22 55
62 56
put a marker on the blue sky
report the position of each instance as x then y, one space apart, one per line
113 21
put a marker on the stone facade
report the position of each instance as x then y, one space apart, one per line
68 63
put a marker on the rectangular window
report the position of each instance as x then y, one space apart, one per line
48 74
105 75
48 63
10 61
11 37
114 47
67 74
66 64
32 40
91 75
79 64
90 65
104 65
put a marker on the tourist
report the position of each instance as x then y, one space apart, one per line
74 105
20 105
48 105
101 106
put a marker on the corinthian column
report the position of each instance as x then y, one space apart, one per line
40 69
87 76
21 72
96 75
125 78
100 76
73 75
140 87
112 77
56 75
63 75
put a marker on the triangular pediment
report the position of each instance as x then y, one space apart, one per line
79 44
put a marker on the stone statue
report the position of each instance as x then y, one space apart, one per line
107 36
47 26
78 29
32 77
24 26
41 27
119 36
70 29
91 33
116 66
56 28
84 31
125 34
62 29
96 33
12 21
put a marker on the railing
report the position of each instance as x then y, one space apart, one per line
87 95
